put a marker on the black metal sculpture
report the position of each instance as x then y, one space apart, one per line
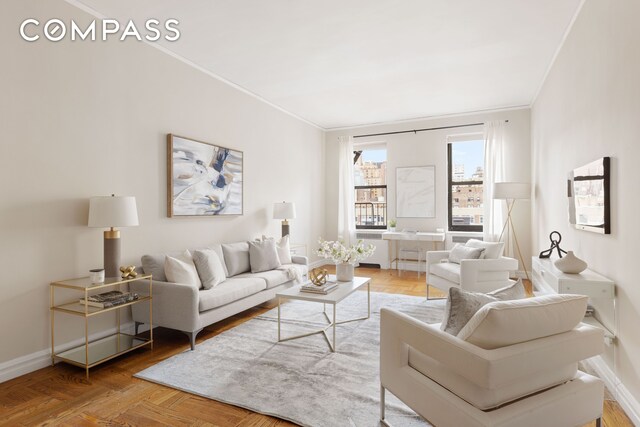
555 244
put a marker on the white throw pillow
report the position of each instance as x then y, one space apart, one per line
503 323
181 269
460 252
283 248
492 250
263 256
210 268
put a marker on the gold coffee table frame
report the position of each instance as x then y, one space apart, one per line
97 351
343 290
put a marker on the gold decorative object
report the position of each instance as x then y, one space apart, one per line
128 272
318 276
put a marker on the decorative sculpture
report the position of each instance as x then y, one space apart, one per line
555 244
318 276
128 272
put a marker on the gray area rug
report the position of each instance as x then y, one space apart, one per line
300 380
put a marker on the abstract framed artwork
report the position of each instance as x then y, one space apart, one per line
203 179
416 192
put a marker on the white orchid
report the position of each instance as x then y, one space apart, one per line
339 253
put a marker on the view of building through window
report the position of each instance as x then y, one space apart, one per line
466 166
370 181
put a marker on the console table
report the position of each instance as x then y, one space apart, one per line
393 237
548 279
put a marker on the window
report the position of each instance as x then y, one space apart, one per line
466 174
370 181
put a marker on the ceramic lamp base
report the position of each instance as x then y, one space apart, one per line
111 256
285 228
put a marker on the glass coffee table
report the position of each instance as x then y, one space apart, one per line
333 298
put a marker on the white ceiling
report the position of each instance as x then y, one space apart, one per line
340 63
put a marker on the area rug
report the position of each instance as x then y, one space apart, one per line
301 380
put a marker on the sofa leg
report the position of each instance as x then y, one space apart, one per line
192 338
137 326
599 422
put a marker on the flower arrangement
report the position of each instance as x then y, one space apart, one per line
339 253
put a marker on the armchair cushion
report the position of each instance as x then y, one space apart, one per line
446 270
462 305
504 323
461 252
492 250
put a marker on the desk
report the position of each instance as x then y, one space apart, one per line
393 237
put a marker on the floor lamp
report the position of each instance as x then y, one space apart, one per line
512 191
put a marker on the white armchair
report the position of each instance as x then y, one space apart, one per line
452 382
477 275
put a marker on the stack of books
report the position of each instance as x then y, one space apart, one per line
324 289
109 299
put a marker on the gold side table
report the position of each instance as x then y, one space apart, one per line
92 353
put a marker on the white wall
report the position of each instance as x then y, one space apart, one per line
430 148
82 119
589 107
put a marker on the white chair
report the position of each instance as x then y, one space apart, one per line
477 275
451 381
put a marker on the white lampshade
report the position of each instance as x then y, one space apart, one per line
112 211
284 210
511 190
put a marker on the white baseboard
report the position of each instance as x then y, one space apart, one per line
624 397
41 359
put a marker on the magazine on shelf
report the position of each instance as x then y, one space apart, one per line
109 299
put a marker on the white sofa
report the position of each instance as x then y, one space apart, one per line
532 381
188 309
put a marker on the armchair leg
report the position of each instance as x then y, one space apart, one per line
428 299
599 422
383 421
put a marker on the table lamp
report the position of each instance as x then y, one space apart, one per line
284 211
511 191
110 212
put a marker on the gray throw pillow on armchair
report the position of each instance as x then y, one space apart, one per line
462 305
263 255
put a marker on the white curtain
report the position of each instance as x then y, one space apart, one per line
494 171
346 198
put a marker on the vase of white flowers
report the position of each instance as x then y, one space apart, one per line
344 257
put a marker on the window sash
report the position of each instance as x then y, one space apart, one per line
451 184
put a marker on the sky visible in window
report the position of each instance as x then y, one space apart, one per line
469 153
374 155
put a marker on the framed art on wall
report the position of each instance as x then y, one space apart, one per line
416 192
203 179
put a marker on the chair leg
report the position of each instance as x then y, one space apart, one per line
383 421
599 422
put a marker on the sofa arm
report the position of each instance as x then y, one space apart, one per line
487 368
299 259
434 257
175 305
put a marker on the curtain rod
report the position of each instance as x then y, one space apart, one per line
421 130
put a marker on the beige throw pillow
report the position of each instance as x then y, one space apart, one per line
210 268
461 252
492 250
181 269
283 248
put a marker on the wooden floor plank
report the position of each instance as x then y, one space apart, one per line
60 396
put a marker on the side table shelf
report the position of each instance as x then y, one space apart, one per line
97 351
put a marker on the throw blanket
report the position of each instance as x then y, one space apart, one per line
292 273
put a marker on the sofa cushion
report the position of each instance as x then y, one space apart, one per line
503 323
232 289
181 269
236 258
273 278
263 255
462 305
487 398
461 252
446 270
209 268
492 250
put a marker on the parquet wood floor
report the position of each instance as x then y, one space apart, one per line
59 395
